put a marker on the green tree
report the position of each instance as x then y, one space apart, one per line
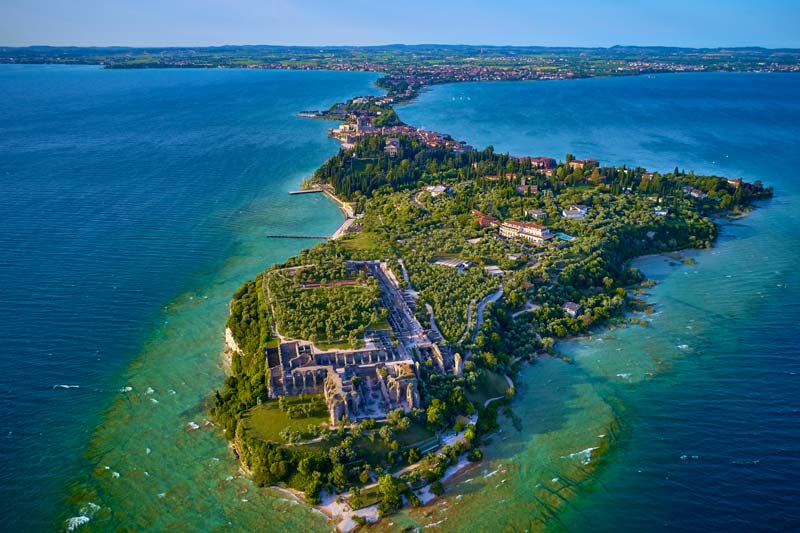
414 455
386 432
595 177
436 412
390 488
339 477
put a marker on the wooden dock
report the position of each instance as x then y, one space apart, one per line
305 191
297 236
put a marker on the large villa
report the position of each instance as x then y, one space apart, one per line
528 231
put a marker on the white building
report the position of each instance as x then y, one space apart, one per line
437 190
535 213
575 212
460 265
525 230
493 270
572 309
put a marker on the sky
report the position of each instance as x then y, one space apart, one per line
695 23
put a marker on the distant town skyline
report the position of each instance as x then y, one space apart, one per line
601 23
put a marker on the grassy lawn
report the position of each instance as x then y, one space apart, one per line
413 436
365 241
360 165
375 453
369 498
266 421
490 385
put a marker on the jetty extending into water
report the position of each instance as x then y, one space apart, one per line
286 236
346 208
336 235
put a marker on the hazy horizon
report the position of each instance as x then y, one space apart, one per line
573 23
387 45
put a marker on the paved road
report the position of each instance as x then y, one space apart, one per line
491 298
469 321
419 204
529 307
433 321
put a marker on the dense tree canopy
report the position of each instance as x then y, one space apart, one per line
319 296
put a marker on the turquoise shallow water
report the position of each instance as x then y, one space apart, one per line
135 202
702 406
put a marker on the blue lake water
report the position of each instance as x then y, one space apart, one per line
136 202
703 406
129 197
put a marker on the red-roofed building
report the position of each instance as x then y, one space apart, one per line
485 221
525 230
543 163
583 163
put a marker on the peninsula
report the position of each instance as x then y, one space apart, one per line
368 368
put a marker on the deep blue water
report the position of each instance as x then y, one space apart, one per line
120 191
708 396
134 203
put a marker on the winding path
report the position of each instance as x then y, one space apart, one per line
434 327
469 321
510 386
529 307
479 321
418 203
405 274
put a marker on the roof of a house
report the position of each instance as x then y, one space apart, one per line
531 225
